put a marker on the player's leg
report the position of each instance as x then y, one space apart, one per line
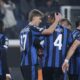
34 70
73 77
26 72
73 69
78 59
58 74
30 72
47 73
40 75
2 77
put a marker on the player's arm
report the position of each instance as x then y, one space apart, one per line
5 46
4 62
71 51
53 26
8 77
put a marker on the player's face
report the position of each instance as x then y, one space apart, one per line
50 19
69 27
38 20
65 24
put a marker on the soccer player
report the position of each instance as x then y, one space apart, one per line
73 70
29 54
4 72
75 60
73 49
55 48
66 23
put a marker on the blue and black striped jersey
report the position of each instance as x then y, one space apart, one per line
76 34
75 60
3 48
56 46
28 50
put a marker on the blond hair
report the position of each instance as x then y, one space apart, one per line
35 12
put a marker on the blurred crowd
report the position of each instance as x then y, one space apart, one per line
14 13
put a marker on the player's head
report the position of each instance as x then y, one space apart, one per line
78 23
50 17
35 16
1 26
66 23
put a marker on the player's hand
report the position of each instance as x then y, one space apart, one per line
8 77
58 16
65 66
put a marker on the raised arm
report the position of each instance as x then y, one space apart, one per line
54 24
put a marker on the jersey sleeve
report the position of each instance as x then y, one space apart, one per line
76 35
37 30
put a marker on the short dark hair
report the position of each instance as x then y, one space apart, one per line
35 12
1 26
50 17
77 23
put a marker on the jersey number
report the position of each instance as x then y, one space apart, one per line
23 41
58 42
